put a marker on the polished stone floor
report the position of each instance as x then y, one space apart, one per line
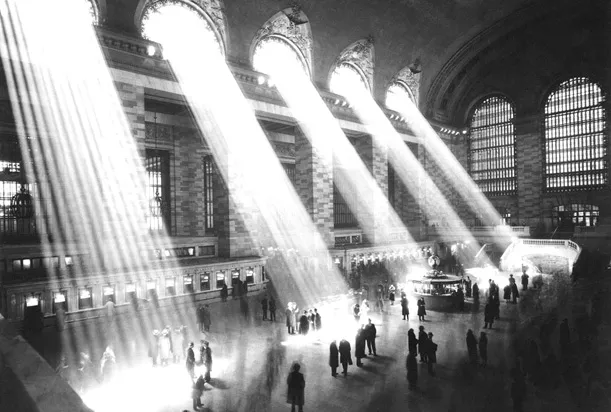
246 359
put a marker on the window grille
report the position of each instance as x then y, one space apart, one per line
492 146
158 188
575 137
209 191
342 215
289 168
579 214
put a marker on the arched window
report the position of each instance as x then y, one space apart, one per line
398 97
94 10
575 214
174 17
575 130
347 77
275 52
491 146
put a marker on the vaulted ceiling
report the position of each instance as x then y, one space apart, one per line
403 30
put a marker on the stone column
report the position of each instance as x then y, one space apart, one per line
529 158
314 181
374 218
235 218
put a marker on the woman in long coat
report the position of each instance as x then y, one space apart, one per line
412 342
333 358
472 346
296 386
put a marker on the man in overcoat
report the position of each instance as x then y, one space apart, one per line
296 388
333 358
345 357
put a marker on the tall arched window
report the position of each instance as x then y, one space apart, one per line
174 18
491 146
94 10
276 53
398 97
575 142
347 77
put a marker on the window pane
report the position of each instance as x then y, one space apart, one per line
398 98
575 130
273 53
491 146
345 78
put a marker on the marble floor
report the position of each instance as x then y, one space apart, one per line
252 357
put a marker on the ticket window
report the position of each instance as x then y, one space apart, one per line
108 294
130 292
170 286
32 301
204 282
151 289
188 283
60 300
235 276
220 279
85 298
250 275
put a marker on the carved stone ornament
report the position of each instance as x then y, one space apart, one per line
360 54
292 24
411 80
214 9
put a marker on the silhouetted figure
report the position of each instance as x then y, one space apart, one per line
476 296
515 294
191 361
468 287
524 281
460 299
391 295
421 309
345 356
304 323
290 320
272 309
411 364
423 340
264 307
472 347
207 360
359 346
404 309
197 392
296 388
333 358
224 293
317 319
488 316
370 338
431 350
483 348
507 293
412 342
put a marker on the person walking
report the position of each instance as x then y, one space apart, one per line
475 296
345 356
423 339
333 358
524 281
370 338
488 316
421 309
472 347
391 294
272 309
304 323
515 294
224 293
507 293
412 342
296 388
404 308
483 348
264 307
191 361
431 354
411 364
